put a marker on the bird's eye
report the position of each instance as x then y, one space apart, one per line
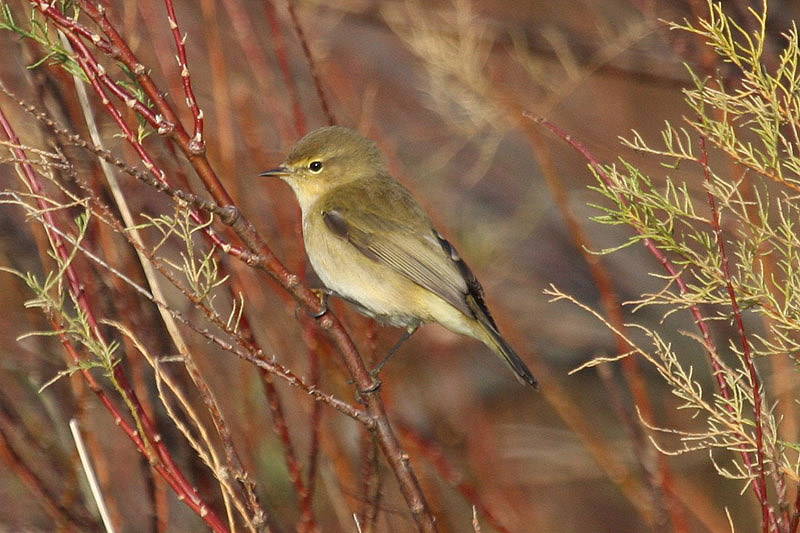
315 166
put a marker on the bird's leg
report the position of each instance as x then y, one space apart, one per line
410 331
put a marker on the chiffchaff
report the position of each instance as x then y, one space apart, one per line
372 244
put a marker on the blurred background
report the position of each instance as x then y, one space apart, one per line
442 87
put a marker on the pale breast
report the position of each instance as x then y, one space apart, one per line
375 289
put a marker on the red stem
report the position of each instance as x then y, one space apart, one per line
326 108
674 273
284 63
95 72
760 485
260 255
162 461
436 457
655 467
197 144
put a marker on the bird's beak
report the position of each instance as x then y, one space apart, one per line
277 172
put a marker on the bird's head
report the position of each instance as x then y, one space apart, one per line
326 158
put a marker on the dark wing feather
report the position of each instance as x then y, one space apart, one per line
474 296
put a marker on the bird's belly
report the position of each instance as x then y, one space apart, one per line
375 289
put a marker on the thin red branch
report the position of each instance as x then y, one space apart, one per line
768 519
261 256
674 272
655 467
282 57
198 143
314 372
759 487
76 32
312 65
98 80
437 458
64 515
172 124
160 458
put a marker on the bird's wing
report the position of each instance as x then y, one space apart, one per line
417 252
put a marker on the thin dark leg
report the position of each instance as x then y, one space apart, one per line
410 331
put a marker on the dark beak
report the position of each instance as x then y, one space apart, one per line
276 172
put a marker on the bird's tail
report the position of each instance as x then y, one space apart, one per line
500 346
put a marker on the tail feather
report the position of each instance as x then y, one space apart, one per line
500 346
488 333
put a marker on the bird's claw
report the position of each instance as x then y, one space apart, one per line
322 294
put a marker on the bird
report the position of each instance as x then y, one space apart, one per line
372 244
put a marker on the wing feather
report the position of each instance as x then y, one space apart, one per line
417 255
390 227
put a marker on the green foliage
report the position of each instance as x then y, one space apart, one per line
58 52
739 155
58 304
41 33
199 267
